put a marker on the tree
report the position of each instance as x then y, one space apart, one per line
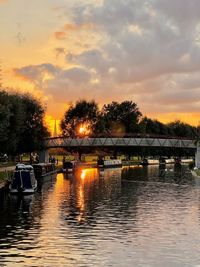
121 117
33 131
16 122
154 127
181 129
21 123
4 120
80 119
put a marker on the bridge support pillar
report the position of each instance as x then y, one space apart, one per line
44 156
197 157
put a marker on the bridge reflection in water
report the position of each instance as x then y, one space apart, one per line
121 217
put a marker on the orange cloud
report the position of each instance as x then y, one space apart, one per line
60 35
21 76
71 27
76 27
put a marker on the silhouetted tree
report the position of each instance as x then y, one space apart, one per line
83 113
5 114
21 123
120 118
153 127
180 129
33 131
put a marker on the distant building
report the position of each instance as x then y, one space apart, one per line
55 133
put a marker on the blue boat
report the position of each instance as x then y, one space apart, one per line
23 181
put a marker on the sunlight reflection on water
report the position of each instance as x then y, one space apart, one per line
146 216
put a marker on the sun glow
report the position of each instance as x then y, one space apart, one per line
51 123
84 129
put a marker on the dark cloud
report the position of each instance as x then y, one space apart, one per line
185 14
60 83
92 59
149 48
148 51
156 45
36 72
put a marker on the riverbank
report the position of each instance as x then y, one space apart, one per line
7 171
5 175
3 185
196 173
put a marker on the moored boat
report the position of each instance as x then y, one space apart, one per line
146 162
112 163
23 181
187 160
164 160
44 171
169 161
69 166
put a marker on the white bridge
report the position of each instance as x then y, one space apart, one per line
115 142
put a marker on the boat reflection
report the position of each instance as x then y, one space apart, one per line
22 203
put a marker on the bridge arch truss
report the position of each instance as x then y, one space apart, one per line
60 142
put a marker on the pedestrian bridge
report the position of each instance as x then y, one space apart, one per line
60 142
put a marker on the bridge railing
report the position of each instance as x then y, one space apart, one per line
127 135
119 141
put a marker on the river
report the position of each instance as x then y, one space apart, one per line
134 216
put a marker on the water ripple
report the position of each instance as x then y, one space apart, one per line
129 217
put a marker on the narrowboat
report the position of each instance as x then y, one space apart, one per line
169 161
147 162
68 166
112 163
166 161
23 181
44 171
187 160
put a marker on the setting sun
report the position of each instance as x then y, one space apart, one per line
84 129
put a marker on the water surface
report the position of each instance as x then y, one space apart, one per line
137 216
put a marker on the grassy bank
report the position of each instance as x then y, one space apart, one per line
197 172
4 176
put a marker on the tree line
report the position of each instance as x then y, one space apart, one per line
22 126
118 119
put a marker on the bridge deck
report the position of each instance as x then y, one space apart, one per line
115 142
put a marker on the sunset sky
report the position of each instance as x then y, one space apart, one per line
144 51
